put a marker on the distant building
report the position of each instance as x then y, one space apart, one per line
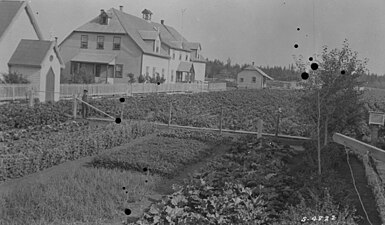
16 22
115 43
40 63
252 77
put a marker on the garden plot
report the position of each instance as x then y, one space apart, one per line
91 195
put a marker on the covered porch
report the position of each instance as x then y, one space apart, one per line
101 68
185 73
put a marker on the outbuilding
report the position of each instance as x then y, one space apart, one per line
252 77
39 62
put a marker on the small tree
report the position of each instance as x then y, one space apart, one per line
131 77
141 79
159 79
15 78
332 99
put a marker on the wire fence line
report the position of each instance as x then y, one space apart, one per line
21 91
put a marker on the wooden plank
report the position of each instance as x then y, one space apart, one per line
236 131
359 147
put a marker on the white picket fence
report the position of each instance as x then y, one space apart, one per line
21 91
15 91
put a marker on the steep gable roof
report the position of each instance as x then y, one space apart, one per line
30 52
9 11
253 68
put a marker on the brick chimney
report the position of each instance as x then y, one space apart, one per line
162 22
121 8
253 63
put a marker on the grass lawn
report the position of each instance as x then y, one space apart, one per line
95 195
82 195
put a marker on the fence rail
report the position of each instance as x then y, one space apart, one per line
21 91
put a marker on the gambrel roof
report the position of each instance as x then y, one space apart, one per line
139 30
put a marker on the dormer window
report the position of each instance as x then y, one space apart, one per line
103 18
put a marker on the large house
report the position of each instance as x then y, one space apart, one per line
252 77
115 44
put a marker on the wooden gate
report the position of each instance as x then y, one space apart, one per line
50 86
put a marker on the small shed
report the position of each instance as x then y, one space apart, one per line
39 62
252 77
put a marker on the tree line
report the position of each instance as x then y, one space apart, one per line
218 69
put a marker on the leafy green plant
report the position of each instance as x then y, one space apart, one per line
49 149
204 204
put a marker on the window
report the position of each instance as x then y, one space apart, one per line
254 79
147 70
163 72
118 70
156 46
153 72
75 67
172 75
116 45
173 55
100 42
98 69
186 57
104 19
84 41
241 80
180 56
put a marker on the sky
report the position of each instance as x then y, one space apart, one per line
246 31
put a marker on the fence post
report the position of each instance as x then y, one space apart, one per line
31 98
220 120
169 116
374 134
75 107
121 115
260 127
13 93
277 125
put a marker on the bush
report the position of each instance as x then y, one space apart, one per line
141 79
203 204
15 78
131 77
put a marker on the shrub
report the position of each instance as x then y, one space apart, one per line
203 204
15 78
